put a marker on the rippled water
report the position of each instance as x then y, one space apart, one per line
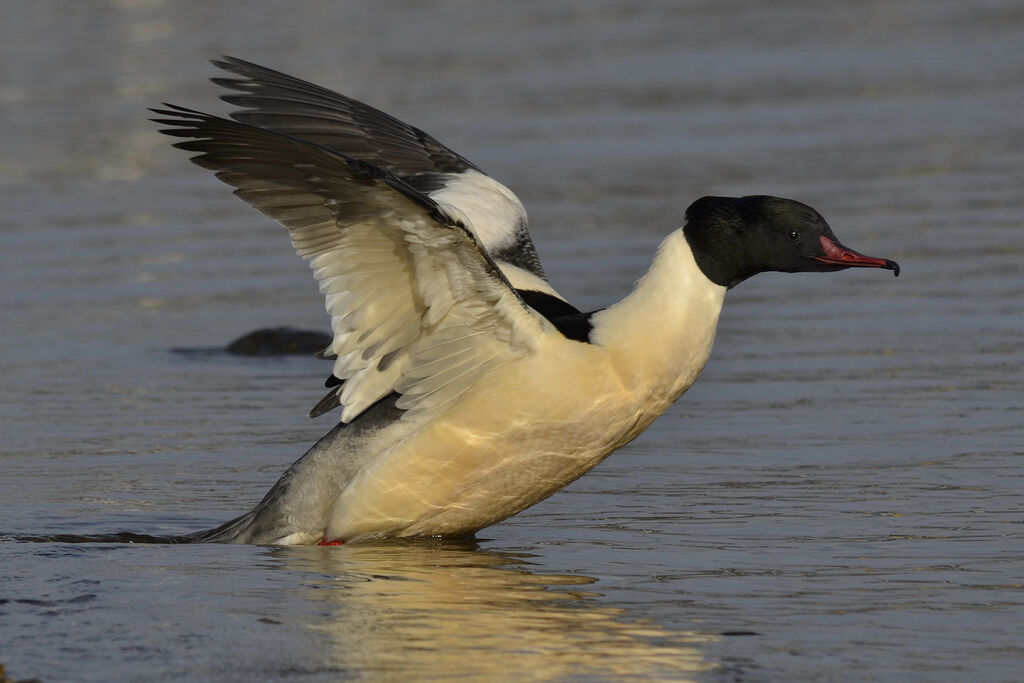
838 498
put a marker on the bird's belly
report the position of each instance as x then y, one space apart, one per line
501 449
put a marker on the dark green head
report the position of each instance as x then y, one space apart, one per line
733 238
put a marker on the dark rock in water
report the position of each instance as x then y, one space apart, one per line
274 341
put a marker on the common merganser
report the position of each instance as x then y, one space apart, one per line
469 388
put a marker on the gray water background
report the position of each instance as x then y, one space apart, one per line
839 497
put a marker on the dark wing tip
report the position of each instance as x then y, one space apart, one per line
234 64
326 404
180 114
254 72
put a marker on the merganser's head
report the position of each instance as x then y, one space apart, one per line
733 238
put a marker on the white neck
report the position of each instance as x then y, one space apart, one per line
661 334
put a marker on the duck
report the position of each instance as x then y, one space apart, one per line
467 388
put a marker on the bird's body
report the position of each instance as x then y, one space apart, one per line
469 388
523 431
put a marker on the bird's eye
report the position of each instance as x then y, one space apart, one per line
793 236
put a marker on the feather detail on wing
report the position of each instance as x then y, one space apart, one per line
275 101
416 305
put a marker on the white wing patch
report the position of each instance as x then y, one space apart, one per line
493 211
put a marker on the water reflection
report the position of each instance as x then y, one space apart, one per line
450 610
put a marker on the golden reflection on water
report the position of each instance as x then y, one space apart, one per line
448 611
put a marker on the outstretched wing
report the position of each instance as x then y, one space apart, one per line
288 105
416 305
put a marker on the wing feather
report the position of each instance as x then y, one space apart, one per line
276 101
416 305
